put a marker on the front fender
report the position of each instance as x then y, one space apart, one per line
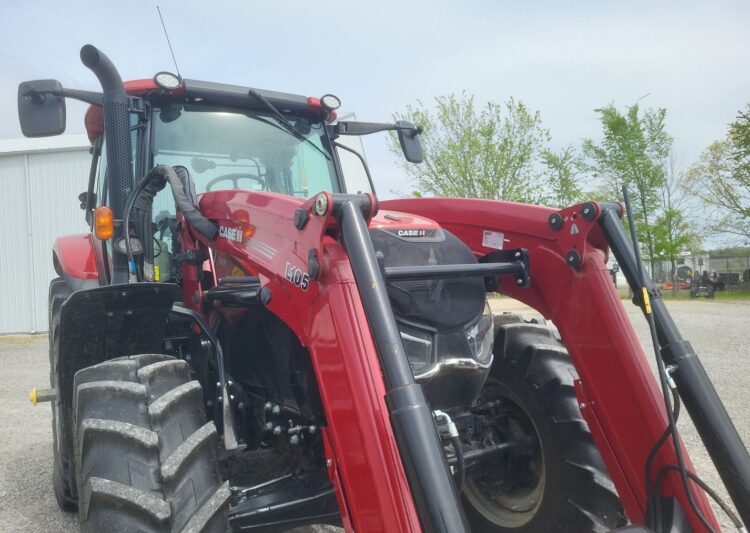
112 321
74 259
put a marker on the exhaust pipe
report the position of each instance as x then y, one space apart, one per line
117 137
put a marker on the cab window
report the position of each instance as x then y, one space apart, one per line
228 149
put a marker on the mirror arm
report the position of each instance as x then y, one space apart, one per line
89 97
135 104
367 128
417 130
362 159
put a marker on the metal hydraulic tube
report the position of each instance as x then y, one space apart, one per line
708 413
419 445
516 268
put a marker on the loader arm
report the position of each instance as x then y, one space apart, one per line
570 285
385 456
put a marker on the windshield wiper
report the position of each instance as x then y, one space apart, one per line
285 122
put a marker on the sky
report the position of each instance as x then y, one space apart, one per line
563 59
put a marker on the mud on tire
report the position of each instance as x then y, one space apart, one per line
145 456
532 372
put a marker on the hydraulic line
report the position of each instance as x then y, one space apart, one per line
672 426
460 474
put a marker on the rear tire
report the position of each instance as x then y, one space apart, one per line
565 486
145 456
63 481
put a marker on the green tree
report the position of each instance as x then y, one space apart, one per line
564 170
672 231
634 151
490 152
722 181
739 135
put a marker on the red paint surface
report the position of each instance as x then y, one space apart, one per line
94 119
625 406
139 87
75 254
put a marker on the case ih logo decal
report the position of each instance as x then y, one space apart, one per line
411 233
297 277
420 234
231 234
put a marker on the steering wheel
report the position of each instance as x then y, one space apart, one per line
235 178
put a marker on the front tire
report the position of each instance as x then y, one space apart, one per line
63 481
145 456
560 483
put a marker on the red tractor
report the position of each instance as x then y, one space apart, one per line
243 343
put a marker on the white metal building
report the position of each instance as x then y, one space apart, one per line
40 180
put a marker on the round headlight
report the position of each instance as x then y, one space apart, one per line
330 102
167 80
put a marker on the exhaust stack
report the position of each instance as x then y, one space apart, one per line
117 137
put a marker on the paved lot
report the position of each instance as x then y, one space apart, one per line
720 333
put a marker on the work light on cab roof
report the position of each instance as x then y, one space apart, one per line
167 80
330 102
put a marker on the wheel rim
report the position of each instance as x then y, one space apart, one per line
511 503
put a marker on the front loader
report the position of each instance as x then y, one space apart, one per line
243 341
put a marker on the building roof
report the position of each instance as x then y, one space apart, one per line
61 143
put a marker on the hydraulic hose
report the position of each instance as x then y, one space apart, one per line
460 474
152 183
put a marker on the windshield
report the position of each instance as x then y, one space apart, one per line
250 150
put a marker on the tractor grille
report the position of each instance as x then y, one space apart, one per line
444 304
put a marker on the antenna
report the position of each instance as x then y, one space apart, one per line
168 42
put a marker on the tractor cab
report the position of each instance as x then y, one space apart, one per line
217 136
228 146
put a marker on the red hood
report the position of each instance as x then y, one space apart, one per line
399 220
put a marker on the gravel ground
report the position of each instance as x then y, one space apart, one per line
719 332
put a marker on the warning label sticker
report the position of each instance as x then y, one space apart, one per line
492 239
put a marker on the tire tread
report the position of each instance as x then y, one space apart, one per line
134 465
63 481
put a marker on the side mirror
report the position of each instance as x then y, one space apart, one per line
41 108
411 145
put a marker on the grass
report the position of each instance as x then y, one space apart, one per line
723 296
683 294
22 338
733 296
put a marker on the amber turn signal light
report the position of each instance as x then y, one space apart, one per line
247 231
104 223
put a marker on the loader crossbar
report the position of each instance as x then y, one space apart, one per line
510 262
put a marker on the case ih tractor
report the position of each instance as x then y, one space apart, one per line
241 342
